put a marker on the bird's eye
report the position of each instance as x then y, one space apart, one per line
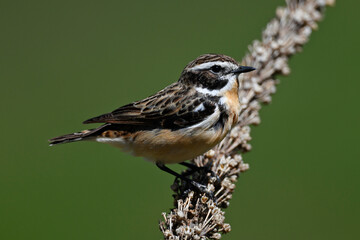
216 68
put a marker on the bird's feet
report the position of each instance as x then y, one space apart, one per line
190 184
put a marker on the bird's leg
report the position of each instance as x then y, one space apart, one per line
192 166
198 186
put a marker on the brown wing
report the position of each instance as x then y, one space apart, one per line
172 108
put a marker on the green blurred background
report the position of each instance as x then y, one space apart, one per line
62 62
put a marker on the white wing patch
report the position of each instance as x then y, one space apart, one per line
207 122
199 108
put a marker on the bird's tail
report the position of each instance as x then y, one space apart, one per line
78 136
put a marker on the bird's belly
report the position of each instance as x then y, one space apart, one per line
168 146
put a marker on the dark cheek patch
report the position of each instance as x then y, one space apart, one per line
209 81
214 84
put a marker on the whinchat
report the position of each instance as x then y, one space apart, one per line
180 122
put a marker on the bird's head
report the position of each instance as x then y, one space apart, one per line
213 73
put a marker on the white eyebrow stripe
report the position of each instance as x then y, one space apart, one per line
210 64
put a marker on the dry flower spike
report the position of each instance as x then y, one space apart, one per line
194 215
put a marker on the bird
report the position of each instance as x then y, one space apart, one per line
178 123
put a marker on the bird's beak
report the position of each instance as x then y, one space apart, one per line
243 69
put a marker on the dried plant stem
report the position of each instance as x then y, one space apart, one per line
195 216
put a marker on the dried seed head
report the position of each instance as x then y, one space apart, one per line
196 215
